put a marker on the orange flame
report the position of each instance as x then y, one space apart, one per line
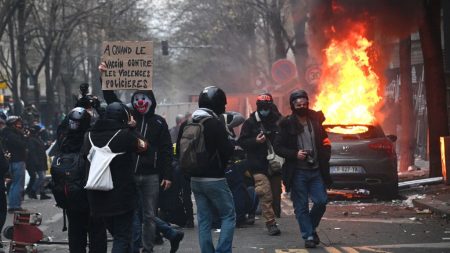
349 85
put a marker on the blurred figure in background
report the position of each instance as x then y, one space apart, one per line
37 162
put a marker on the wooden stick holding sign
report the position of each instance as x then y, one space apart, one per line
129 65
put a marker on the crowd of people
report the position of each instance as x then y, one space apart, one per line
152 186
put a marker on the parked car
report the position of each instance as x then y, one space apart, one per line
363 157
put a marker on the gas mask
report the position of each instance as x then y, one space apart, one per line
141 103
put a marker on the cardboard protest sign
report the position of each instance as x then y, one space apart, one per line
129 65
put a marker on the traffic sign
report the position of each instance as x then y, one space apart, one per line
312 74
283 71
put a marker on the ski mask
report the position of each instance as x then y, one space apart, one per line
264 113
141 103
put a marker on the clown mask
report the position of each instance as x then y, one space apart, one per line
141 103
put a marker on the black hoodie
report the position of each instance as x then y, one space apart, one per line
157 159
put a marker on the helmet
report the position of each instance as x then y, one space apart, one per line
79 119
117 111
213 98
12 120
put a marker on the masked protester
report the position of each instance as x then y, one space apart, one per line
260 128
304 144
149 165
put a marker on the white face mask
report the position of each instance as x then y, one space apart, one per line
142 103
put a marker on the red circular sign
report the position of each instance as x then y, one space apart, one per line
283 71
312 74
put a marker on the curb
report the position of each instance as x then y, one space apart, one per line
435 205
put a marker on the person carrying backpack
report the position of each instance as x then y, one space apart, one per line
204 150
112 137
68 180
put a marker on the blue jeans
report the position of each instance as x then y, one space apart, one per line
17 172
37 186
148 190
308 184
165 228
211 196
119 226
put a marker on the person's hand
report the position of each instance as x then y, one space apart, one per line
301 155
260 138
102 67
132 122
165 184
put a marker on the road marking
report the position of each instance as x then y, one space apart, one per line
332 250
349 250
291 251
438 245
374 220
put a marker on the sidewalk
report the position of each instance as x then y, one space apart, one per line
435 198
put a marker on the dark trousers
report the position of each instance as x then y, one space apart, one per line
81 227
187 199
120 227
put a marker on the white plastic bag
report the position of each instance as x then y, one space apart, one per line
100 178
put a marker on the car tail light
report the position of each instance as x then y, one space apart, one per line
384 145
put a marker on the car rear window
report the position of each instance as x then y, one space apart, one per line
353 132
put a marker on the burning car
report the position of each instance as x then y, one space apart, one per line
362 156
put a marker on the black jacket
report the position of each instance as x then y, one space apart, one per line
15 143
37 158
286 146
216 139
4 166
122 198
158 158
257 152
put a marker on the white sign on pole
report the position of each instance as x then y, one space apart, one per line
129 65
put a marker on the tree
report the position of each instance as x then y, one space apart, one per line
435 87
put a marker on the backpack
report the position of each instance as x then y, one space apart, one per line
67 171
194 158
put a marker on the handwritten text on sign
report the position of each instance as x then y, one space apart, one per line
129 65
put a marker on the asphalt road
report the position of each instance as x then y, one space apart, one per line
348 226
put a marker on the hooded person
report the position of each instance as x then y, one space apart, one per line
117 206
151 164
256 131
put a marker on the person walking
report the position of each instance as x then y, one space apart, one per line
259 129
304 144
208 183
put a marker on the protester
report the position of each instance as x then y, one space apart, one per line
179 119
116 207
15 143
37 160
149 165
260 128
304 144
209 186
81 224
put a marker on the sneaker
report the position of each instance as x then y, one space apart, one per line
273 229
175 241
316 238
45 196
310 244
